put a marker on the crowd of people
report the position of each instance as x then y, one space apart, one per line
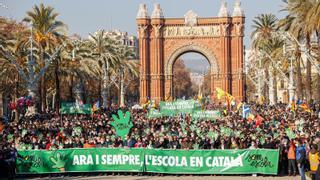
295 133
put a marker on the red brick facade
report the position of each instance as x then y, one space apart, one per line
163 40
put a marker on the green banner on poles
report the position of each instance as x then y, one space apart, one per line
180 106
208 114
149 160
73 108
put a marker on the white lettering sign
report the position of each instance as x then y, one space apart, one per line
187 31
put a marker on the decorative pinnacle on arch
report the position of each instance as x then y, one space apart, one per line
237 11
190 18
223 12
157 12
142 12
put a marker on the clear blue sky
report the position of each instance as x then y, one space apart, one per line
86 16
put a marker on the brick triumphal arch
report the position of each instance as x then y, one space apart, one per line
163 40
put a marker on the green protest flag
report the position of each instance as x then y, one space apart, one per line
213 135
290 133
22 146
76 131
121 123
226 131
244 161
154 113
193 127
10 137
24 132
237 133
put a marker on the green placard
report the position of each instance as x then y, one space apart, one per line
209 114
154 113
73 108
149 160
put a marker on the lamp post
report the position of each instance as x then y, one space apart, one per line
122 90
260 87
291 87
291 84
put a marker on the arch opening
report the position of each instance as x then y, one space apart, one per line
191 75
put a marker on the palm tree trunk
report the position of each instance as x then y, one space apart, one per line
318 88
275 88
57 94
99 90
105 86
104 91
299 87
271 102
43 95
265 87
318 76
271 87
1 103
122 90
71 88
16 95
42 83
308 75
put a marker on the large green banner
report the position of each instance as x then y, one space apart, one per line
149 160
73 108
80 160
179 106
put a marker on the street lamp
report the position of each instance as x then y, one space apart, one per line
291 87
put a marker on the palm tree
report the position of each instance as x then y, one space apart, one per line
73 63
104 51
79 65
125 65
314 23
48 33
274 49
297 23
264 26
